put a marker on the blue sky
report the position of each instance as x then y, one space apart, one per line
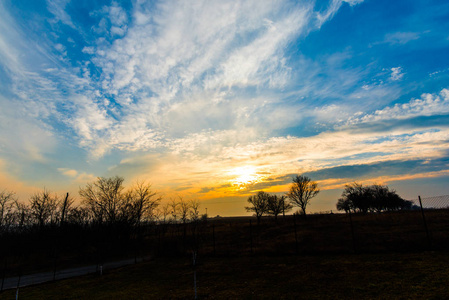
216 100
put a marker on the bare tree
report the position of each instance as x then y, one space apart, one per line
104 198
43 207
302 190
184 209
22 215
278 205
174 207
78 216
194 209
6 207
143 201
259 204
164 211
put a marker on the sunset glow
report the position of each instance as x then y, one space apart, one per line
243 176
218 100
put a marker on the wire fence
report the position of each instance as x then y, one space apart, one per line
436 202
424 227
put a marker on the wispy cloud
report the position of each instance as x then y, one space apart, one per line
57 8
401 37
333 7
194 95
186 68
188 74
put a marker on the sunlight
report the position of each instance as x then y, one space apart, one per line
243 176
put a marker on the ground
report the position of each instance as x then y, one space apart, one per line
421 275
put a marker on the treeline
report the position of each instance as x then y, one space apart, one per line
355 198
372 198
105 201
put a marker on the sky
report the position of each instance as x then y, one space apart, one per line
216 100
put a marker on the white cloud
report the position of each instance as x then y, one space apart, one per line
396 74
186 69
68 172
197 158
427 105
76 176
89 50
57 8
332 9
164 73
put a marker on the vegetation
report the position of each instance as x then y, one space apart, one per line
104 202
373 198
259 204
302 190
278 205
265 204
368 276
235 259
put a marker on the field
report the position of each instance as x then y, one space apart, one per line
374 256
368 276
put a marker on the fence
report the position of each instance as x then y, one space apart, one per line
419 229
409 230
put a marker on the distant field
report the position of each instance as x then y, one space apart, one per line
367 276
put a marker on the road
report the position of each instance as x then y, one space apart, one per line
25 280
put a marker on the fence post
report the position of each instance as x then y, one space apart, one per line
251 235
429 241
194 253
4 274
352 232
213 236
296 235
54 268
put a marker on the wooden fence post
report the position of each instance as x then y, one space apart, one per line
296 235
251 235
213 236
429 241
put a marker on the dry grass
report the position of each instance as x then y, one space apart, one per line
388 258
367 276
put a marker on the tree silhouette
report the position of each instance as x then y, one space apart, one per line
141 203
259 204
374 198
355 197
194 209
104 198
184 210
6 207
277 205
302 190
43 207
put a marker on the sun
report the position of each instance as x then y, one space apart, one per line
243 176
